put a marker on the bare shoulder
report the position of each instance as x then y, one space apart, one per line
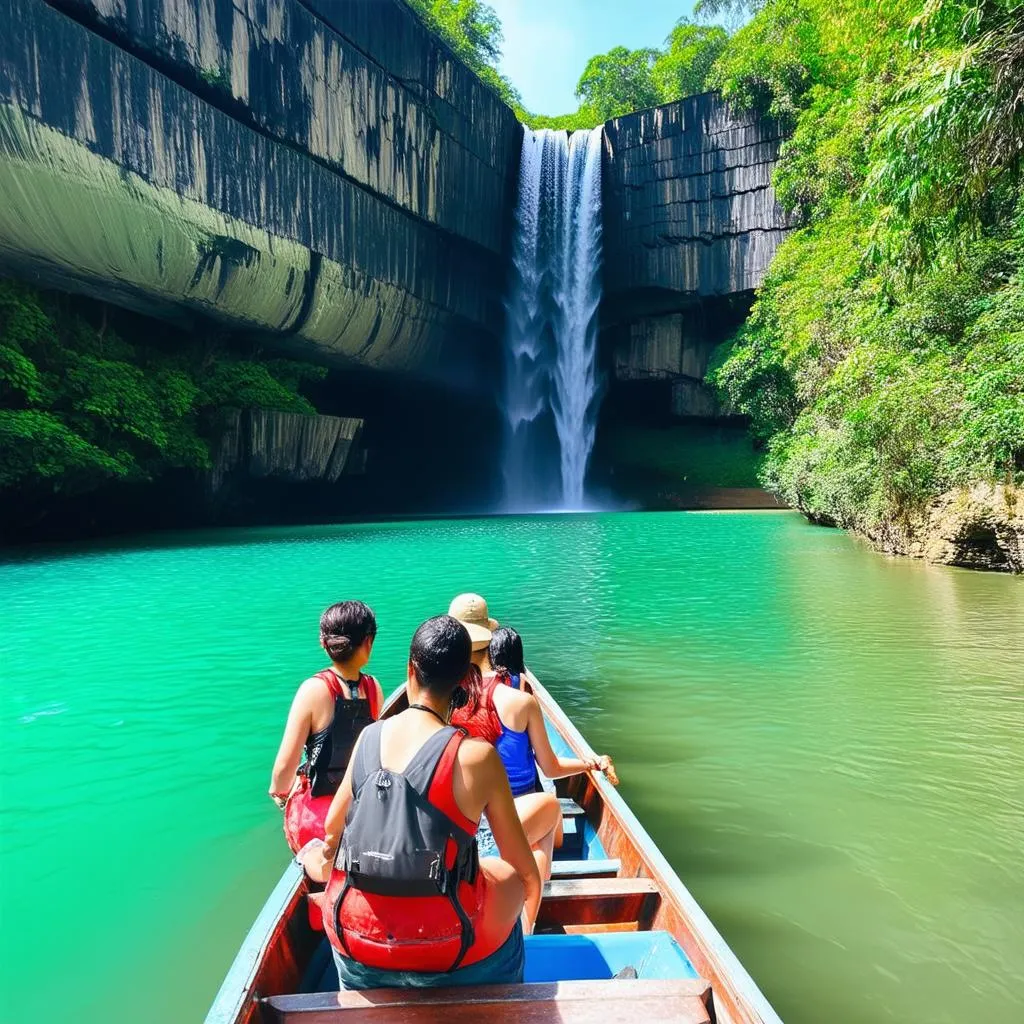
311 690
475 753
514 699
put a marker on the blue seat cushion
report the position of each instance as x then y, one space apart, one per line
655 955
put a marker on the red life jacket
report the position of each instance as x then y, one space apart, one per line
329 750
405 892
327 756
483 723
366 682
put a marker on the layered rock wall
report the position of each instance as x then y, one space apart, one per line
325 173
689 210
977 527
691 223
289 446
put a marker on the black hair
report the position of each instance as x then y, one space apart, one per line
344 627
506 651
440 653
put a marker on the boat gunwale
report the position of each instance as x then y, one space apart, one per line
237 996
737 998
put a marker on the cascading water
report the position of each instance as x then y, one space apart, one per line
552 386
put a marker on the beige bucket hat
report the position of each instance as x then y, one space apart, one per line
471 611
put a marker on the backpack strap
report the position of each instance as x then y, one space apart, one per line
441 790
330 680
370 685
422 767
366 760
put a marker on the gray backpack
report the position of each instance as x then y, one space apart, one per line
396 842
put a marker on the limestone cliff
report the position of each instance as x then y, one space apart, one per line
980 527
690 225
326 174
290 446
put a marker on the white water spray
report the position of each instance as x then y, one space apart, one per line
552 386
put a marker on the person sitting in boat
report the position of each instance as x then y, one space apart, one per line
409 902
328 713
471 611
500 713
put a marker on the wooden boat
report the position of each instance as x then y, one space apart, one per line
613 903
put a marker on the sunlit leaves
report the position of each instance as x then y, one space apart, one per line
79 404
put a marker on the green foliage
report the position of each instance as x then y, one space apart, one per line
37 445
948 153
623 80
612 83
80 405
583 118
682 68
883 362
618 81
473 30
217 78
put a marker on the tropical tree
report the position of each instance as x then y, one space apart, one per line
473 30
618 82
690 50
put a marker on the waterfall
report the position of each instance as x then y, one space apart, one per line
552 386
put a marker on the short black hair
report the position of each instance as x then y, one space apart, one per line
344 626
440 653
506 651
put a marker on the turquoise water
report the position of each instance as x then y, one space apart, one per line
827 745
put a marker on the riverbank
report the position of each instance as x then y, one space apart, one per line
979 527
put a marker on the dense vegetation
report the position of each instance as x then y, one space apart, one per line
81 406
883 363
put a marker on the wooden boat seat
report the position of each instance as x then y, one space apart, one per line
570 809
681 1001
593 868
598 902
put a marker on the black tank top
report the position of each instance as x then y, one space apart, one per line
328 751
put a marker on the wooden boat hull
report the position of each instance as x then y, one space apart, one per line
621 894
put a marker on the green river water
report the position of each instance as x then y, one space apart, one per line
827 745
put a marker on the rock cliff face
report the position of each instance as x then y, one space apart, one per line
289 446
690 225
981 527
327 173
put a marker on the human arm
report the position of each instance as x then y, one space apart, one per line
553 766
289 754
508 829
320 861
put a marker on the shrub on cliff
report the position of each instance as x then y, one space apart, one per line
883 362
80 405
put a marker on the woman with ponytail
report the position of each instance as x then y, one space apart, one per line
328 713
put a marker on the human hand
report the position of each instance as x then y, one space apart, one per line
604 764
313 862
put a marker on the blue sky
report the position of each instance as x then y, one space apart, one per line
548 42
